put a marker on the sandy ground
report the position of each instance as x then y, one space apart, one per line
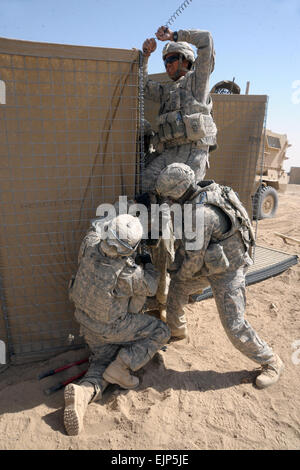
196 395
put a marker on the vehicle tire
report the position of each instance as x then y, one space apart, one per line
265 203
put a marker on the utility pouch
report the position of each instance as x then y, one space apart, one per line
215 259
164 128
175 120
170 126
198 126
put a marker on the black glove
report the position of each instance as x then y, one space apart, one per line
143 198
143 259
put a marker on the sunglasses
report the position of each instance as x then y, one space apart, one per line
171 59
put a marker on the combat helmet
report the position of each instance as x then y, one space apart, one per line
175 180
182 48
124 232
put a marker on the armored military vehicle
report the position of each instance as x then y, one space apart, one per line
270 177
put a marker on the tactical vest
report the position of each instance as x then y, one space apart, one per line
183 119
220 249
92 289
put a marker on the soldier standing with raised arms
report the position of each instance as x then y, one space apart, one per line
186 130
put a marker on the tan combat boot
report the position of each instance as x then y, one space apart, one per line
163 313
271 373
118 373
179 334
77 398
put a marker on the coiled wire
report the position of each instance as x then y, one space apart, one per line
178 12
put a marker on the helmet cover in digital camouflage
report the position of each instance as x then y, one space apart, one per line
124 232
179 48
174 180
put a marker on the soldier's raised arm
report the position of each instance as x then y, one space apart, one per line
204 63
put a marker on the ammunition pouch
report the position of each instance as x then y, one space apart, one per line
177 127
170 126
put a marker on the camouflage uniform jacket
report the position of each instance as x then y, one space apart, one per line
185 105
104 286
225 234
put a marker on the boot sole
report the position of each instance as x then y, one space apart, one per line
112 380
72 419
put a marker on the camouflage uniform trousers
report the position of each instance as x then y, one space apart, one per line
196 158
163 255
229 292
135 338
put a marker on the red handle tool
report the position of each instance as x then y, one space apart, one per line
60 385
60 369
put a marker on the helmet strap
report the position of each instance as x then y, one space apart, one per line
110 251
187 195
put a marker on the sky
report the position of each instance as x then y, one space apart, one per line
256 41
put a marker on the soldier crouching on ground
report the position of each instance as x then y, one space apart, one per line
222 257
109 291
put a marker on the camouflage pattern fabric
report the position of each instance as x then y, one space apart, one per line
163 253
119 289
195 158
161 258
135 338
189 95
192 271
191 92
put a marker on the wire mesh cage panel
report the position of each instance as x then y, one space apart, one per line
240 120
68 133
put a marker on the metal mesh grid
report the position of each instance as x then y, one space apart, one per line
68 136
240 121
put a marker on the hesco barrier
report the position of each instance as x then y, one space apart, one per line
68 124
68 142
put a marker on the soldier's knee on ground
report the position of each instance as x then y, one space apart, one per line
162 332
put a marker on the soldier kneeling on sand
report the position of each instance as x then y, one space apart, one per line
216 252
108 291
